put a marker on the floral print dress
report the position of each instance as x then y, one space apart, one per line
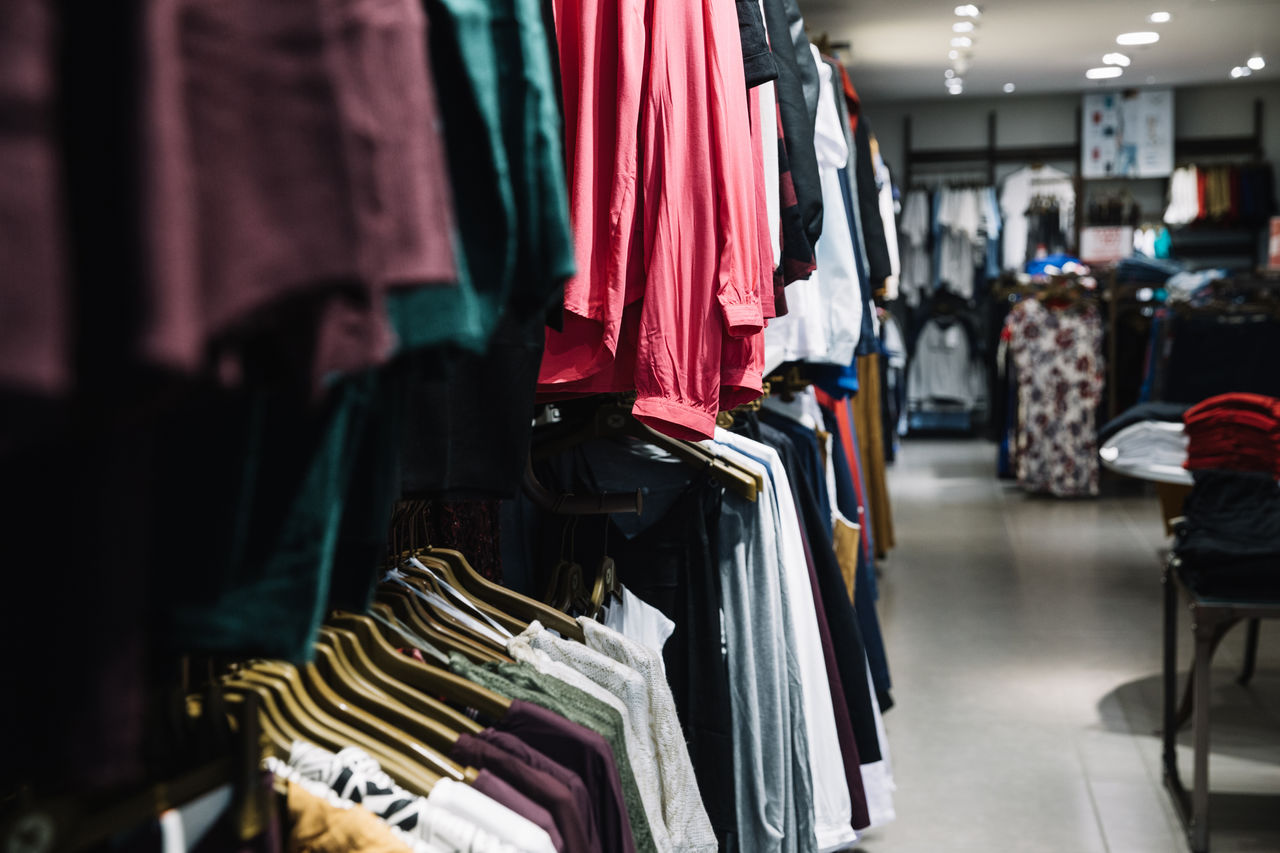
1058 357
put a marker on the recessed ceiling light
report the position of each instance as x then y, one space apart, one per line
1104 72
1138 38
962 41
962 27
949 73
954 54
968 10
958 90
1240 71
1257 63
1116 59
1159 17
1008 88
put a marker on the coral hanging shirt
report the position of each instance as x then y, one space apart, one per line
668 276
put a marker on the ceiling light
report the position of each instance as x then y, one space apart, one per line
954 54
956 90
962 27
1138 38
968 11
1116 59
948 73
1104 72
962 41
1159 17
1008 88
1240 71
1257 63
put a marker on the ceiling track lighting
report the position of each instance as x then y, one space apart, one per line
1116 59
962 41
1159 17
1240 71
968 10
1104 72
962 27
1256 63
1008 88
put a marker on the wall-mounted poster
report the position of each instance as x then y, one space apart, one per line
1128 134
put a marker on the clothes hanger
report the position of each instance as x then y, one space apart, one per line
393 738
340 734
426 564
432 600
359 660
405 609
342 676
416 674
274 740
338 674
607 586
521 606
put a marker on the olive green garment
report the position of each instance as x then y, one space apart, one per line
521 681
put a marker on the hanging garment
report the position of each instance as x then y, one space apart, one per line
527 684
696 189
831 798
1058 357
825 313
588 754
1016 195
773 785
917 277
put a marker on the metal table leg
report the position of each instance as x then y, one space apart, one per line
1204 634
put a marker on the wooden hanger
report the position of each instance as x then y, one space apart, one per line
339 734
425 563
607 586
341 676
432 599
359 660
521 606
406 609
418 675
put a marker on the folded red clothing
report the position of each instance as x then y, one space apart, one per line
1235 400
1233 417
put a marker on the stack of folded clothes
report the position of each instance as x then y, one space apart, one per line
1228 542
1234 432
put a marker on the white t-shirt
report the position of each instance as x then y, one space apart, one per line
638 620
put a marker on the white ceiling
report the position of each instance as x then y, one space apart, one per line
897 49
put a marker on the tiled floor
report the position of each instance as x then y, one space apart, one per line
1024 640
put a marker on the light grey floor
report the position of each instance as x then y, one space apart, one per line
1024 639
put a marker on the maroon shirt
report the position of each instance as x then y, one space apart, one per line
541 788
584 752
502 793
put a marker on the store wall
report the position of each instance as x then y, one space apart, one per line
961 122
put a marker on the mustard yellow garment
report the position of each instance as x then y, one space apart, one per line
318 826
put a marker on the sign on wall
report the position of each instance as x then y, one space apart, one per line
1128 134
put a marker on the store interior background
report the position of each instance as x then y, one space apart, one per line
1025 631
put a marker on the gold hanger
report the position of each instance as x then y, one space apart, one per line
512 602
338 673
361 660
416 674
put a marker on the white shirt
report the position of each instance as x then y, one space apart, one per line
824 319
638 620
682 806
